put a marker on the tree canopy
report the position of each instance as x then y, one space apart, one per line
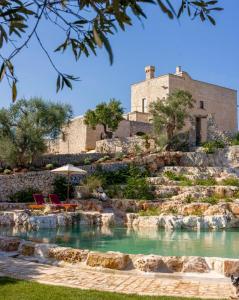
84 25
108 115
169 114
26 125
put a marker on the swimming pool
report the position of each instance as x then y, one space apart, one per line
144 241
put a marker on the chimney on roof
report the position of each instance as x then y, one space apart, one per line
149 72
178 70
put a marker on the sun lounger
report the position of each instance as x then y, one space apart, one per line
54 198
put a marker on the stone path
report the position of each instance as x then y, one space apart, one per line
74 276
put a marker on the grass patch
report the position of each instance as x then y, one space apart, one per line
230 181
154 211
206 182
174 176
12 289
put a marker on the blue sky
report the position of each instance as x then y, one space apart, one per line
206 52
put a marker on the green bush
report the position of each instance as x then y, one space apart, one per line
115 191
138 188
231 181
24 196
92 183
174 176
211 200
235 140
49 166
87 161
103 159
60 188
211 146
119 156
7 172
189 199
206 182
153 211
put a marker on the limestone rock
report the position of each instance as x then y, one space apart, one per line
173 263
27 248
111 260
231 267
108 219
150 263
68 254
9 243
195 264
194 208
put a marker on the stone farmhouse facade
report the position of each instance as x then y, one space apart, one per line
211 102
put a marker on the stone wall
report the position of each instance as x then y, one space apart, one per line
62 159
43 180
125 145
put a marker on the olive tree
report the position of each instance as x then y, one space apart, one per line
108 115
169 114
83 26
25 127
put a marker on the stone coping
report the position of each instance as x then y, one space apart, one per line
150 264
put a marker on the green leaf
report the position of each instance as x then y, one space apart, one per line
58 83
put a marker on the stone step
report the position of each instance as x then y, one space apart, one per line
200 171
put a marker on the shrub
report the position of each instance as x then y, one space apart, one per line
92 183
232 181
24 196
115 191
174 176
1 170
211 200
119 156
87 161
235 140
206 182
211 146
153 211
189 199
60 188
7 171
49 166
138 188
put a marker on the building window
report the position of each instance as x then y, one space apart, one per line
144 105
201 104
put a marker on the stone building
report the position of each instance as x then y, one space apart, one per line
212 102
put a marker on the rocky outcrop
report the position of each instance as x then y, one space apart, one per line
177 221
110 260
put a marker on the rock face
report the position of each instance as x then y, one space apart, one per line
177 222
68 254
27 248
9 243
231 267
110 260
150 263
195 264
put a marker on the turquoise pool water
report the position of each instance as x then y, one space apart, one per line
145 241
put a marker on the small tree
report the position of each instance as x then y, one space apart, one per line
170 114
108 115
25 126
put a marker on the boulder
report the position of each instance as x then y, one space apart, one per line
231 267
108 219
111 260
195 265
234 208
150 263
27 248
173 263
68 254
146 221
9 243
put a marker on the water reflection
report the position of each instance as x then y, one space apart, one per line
132 240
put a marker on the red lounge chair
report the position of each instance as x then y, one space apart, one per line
56 201
40 202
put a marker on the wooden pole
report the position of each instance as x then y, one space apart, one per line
68 188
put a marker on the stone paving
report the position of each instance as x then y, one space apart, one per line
77 277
